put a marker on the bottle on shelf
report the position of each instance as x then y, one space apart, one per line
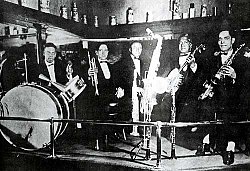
45 6
203 10
74 12
229 8
191 11
130 16
176 14
215 11
96 24
63 12
112 20
84 19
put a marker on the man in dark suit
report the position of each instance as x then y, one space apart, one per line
51 67
228 80
106 87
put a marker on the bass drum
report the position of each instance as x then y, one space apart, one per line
32 101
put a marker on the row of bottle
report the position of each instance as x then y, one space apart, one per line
112 19
192 11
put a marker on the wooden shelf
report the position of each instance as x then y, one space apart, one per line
13 13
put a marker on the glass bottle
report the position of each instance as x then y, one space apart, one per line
74 12
130 16
191 11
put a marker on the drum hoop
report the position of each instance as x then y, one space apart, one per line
60 128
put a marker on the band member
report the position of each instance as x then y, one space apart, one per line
106 86
51 67
128 77
227 76
184 80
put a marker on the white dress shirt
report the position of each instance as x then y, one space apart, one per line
51 70
224 58
105 69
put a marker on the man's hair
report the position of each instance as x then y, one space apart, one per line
49 45
188 36
226 26
134 43
99 44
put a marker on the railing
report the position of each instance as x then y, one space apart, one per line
157 124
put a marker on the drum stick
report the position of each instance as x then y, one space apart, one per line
57 85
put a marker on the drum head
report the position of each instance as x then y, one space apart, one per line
29 102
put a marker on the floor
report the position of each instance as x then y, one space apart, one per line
74 152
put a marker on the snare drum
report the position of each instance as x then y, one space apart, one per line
32 101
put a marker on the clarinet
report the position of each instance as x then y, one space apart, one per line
209 87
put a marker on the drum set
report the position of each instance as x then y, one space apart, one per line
31 100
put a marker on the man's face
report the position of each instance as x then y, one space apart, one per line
102 52
136 49
49 54
225 41
184 45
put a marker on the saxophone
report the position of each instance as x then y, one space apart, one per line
218 76
148 99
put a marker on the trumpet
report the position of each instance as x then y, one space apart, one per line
69 70
92 66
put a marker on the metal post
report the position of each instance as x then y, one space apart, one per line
158 135
52 140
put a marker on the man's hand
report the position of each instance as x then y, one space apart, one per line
229 71
119 92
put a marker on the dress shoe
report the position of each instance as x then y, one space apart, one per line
202 149
228 157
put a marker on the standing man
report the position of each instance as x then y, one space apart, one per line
106 87
51 67
184 80
229 79
128 77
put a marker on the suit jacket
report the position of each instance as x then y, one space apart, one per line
227 92
60 72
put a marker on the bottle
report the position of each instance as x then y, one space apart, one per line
191 11
112 20
229 8
130 16
45 6
204 10
96 21
63 12
214 11
84 19
74 12
176 10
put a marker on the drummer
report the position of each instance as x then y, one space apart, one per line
51 67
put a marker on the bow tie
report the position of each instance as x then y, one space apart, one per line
103 61
223 53
50 64
183 54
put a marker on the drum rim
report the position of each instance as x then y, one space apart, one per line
60 129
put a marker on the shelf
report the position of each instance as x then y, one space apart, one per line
27 17
13 13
